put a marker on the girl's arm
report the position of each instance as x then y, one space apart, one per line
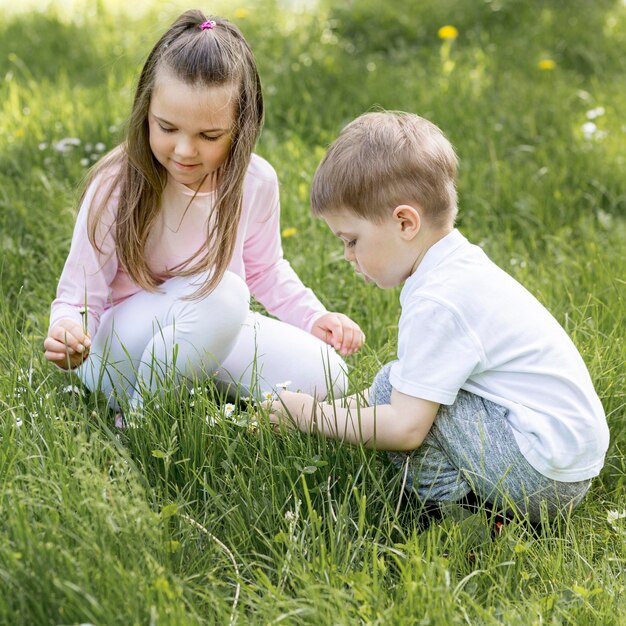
270 277
401 425
83 287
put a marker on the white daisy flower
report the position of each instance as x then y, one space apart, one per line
73 389
592 114
613 517
229 409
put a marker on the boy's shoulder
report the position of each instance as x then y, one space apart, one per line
461 277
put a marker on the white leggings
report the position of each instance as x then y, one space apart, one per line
153 337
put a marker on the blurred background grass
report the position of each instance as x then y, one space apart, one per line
531 94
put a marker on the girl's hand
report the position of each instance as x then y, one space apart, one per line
293 410
339 331
67 345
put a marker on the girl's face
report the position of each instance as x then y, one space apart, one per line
191 128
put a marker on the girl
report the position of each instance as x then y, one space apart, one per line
177 226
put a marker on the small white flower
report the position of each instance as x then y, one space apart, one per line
18 422
43 145
613 516
589 130
592 114
84 162
268 395
229 409
284 385
73 389
65 145
100 147
290 516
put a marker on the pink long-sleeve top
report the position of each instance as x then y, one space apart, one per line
100 280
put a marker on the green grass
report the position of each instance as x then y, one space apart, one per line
182 522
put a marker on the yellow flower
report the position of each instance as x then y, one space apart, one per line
241 12
546 64
19 132
447 32
289 232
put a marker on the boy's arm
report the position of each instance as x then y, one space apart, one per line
401 425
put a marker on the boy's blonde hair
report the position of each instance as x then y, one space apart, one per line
384 159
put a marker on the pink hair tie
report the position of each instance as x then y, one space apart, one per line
208 24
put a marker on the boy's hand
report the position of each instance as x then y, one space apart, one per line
67 345
293 409
339 331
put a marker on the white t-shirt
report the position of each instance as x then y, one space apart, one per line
467 324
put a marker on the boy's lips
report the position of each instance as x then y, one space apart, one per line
365 278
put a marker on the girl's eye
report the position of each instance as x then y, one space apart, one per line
166 130
211 137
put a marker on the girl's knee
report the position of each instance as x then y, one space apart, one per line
233 298
224 310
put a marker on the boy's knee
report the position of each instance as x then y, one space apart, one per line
380 390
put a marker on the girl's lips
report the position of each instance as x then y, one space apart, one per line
185 167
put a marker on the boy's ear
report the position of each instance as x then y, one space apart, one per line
408 219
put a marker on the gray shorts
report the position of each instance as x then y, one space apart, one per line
471 448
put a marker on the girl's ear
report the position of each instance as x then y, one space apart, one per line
409 221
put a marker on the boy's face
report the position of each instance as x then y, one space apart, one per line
378 251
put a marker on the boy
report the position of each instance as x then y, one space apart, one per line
488 394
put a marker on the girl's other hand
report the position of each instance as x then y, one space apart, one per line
67 345
339 331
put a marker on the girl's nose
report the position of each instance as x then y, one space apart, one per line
185 147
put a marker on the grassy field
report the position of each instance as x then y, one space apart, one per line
199 519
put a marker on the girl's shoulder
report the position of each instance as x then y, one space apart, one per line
102 184
107 170
261 171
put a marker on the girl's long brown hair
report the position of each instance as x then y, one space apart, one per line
209 57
